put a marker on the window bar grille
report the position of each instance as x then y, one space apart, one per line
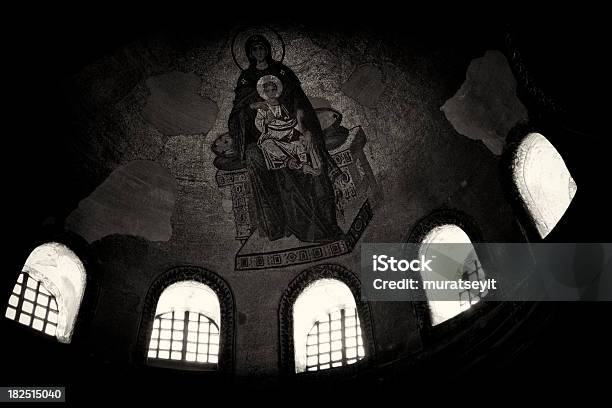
201 330
208 345
466 276
25 284
343 335
326 354
198 348
185 342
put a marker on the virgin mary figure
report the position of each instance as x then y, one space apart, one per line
288 199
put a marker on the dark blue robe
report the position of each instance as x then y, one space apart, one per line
287 200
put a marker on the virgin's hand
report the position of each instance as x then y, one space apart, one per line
259 105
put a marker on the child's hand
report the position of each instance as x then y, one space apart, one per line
269 117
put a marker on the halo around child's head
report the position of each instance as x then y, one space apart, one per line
264 80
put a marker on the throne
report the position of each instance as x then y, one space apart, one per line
357 185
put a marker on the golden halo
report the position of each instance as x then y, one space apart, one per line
269 78
274 38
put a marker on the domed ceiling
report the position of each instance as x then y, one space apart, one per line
177 153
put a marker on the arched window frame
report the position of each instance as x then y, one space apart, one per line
80 249
417 235
226 304
291 294
558 137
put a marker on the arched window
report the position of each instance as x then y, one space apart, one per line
324 324
186 328
543 181
326 327
188 322
469 268
49 291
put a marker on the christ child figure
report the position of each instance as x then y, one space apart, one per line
281 143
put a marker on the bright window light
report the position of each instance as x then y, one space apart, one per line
187 324
48 292
543 181
326 327
442 310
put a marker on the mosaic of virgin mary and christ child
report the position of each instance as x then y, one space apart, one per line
278 138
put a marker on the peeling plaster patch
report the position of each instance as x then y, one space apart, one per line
175 107
201 209
486 106
189 161
365 85
319 102
136 199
